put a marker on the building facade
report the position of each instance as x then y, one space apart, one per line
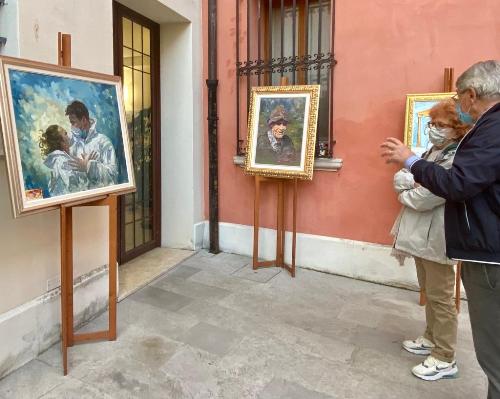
384 50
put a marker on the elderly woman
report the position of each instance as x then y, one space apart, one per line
471 188
419 232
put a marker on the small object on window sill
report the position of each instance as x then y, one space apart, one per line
3 41
322 150
326 164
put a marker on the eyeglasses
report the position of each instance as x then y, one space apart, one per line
438 125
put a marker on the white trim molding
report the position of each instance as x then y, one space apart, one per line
37 323
324 164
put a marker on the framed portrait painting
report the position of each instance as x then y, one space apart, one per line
282 131
418 106
65 135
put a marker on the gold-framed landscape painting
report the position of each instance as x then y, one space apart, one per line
65 135
418 106
282 125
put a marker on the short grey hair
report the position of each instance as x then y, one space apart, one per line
483 77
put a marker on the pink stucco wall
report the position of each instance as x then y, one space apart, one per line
385 49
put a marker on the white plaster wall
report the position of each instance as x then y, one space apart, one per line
198 120
90 24
9 28
189 9
182 139
32 328
29 246
177 135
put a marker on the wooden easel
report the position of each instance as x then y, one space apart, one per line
68 336
280 223
448 87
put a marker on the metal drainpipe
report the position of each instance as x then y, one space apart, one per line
213 161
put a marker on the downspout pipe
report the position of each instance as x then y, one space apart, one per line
213 158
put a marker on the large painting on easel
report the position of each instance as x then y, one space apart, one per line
282 131
65 135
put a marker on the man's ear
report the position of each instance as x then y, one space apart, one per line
472 93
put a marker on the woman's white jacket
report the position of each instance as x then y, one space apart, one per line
419 228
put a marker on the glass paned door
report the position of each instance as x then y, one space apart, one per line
136 60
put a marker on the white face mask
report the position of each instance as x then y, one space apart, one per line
438 136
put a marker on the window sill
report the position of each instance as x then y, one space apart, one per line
325 164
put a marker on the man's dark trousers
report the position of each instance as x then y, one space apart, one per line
482 285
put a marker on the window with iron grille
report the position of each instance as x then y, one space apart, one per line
285 38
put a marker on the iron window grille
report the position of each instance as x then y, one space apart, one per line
292 38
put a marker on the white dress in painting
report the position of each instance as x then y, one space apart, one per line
63 179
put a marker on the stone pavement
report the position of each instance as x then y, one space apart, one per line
213 328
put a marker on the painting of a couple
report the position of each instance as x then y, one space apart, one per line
65 135
80 160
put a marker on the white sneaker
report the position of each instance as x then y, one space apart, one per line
432 369
419 346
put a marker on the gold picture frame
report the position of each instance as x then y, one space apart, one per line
282 123
417 117
65 135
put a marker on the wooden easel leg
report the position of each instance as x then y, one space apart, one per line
256 210
294 226
66 219
283 230
69 274
66 284
112 265
280 225
458 284
423 300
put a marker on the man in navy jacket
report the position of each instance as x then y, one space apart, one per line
472 212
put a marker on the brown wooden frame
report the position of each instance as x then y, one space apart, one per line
120 11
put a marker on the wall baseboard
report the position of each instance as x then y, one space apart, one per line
37 324
199 235
349 258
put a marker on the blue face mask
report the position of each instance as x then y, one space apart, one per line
465 117
80 133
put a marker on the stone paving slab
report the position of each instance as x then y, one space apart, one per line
161 298
259 275
227 282
281 389
184 271
191 289
73 388
31 381
213 339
